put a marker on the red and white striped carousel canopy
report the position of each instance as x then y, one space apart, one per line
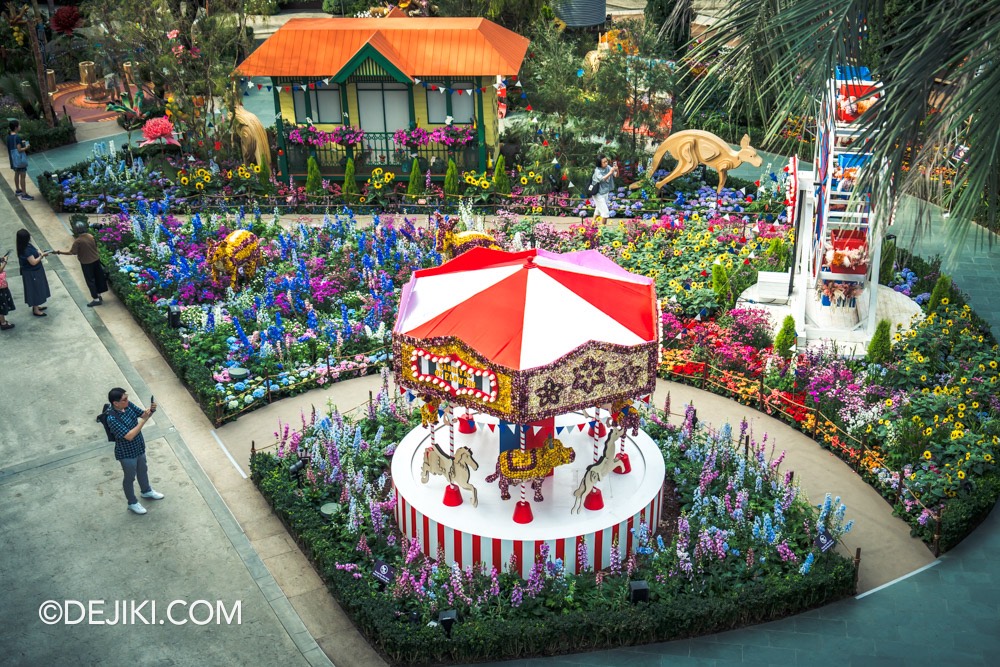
526 309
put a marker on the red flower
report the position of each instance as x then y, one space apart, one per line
218 145
711 228
704 273
746 261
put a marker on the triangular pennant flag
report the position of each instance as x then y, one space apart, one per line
268 88
513 428
460 91
259 86
416 81
536 430
580 426
646 398
559 429
441 90
327 81
440 412
246 94
402 390
492 427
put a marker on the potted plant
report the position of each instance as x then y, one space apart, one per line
412 139
348 137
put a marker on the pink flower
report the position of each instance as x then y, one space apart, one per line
158 128
173 34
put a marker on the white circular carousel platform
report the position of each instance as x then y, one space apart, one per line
488 533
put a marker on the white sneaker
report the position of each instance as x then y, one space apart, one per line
137 508
152 494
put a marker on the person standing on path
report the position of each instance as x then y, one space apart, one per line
36 285
85 248
126 419
604 177
6 300
17 152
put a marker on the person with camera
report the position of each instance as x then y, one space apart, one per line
85 248
126 419
17 152
602 183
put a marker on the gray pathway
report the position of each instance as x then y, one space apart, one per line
65 532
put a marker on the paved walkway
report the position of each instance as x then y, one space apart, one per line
948 613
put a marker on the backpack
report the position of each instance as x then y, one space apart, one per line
103 419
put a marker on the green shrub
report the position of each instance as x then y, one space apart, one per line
451 179
720 285
778 253
501 179
350 189
42 137
880 346
942 289
415 187
786 338
314 179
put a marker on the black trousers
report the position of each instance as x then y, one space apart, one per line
96 279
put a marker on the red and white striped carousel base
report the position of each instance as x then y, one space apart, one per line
488 533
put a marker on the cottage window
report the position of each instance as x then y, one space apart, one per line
324 105
462 106
437 103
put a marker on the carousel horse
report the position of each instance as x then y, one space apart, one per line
694 147
429 410
530 466
455 470
452 244
624 414
236 256
598 469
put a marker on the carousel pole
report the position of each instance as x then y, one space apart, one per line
594 499
522 511
452 495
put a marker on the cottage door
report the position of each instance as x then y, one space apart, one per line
384 108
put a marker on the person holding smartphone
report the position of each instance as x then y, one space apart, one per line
36 285
126 419
17 152
6 300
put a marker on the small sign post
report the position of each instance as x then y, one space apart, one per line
384 573
824 540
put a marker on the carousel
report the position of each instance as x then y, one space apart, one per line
530 366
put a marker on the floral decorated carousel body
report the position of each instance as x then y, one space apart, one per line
528 365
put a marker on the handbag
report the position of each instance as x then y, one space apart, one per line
593 188
18 160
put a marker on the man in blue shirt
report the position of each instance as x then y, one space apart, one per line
126 419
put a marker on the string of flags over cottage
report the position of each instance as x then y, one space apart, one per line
516 429
501 84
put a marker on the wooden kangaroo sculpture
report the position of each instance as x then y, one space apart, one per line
693 147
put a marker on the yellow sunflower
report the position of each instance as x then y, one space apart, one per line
524 180
378 186
256 169
200 185
184 180
362 199
208 178
538 178
377 171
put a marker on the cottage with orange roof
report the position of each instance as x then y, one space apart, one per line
382 75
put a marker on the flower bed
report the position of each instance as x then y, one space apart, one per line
738 549
923 430
318 309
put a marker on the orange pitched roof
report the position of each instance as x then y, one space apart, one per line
424 47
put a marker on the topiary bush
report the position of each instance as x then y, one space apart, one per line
451 179
880 346
350 189
501 179
415 187
786 338
314 179
942 288
720 285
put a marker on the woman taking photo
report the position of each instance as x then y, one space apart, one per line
604 180
36 285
